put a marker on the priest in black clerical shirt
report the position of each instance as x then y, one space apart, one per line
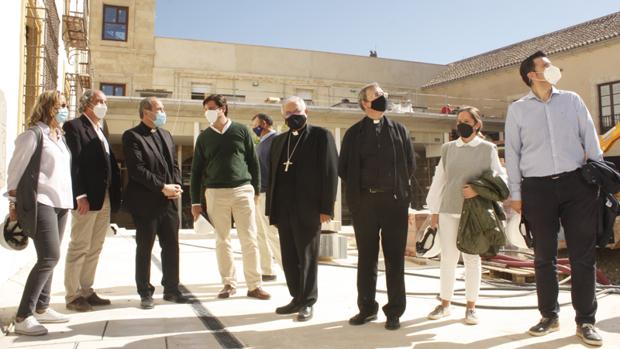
301 194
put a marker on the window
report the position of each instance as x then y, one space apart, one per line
114 23
112 89
234 98
609 102
200 91
305 94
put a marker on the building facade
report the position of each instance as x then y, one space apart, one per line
46 47
130 62
588 54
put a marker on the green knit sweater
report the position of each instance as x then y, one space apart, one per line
224 161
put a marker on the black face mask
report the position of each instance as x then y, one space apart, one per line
464 130
296 121
379 104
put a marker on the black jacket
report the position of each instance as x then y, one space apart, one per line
349 167
316 181
89 171
604 175
147 171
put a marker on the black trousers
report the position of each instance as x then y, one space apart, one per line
569 200
50 227
299 246
381 217
164 225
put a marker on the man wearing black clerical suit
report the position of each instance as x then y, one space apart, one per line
300 197
151 197
376 165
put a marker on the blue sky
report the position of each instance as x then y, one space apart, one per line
434 31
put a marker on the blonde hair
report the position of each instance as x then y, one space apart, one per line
44 107
475 114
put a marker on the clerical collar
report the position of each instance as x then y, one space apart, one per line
153 130
297 132
376 122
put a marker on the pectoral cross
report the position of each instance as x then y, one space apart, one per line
286 165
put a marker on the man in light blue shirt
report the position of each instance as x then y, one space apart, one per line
549 136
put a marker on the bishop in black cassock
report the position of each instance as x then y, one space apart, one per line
301 195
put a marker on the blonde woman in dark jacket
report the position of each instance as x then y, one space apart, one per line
461 160
54 199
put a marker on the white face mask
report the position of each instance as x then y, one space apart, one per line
211 116
100 110
552 74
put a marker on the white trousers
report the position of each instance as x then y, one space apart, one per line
448 230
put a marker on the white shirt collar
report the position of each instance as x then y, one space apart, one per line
531 95
92 123
226 126
267 135
47 129
473 143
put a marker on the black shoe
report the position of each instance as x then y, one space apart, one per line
269 277
362 318
305 313
290 308
147 302
392 323
544 326
176 297
588 335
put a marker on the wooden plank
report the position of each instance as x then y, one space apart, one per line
516 271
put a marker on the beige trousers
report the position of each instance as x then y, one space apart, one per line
87 236
268 240
239 202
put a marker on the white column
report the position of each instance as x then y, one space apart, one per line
180 199
196 132
338 205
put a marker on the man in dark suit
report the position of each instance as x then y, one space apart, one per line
377 165
151 198
300 197
96 188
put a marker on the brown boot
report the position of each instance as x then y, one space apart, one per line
95 300
226 292
259 293
79 304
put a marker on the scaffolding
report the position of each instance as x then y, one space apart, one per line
75 36
40 51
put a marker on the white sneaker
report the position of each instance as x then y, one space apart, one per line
51 316
471 318
30 327
439 312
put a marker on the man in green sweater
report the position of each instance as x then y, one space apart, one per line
225 170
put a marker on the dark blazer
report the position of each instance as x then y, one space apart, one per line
147 171
349 166
89 171
317 176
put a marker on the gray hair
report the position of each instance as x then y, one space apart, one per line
300 104
146 103
85 99
361 96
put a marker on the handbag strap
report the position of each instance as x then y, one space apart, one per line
34 166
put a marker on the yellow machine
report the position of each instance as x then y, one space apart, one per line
609 138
